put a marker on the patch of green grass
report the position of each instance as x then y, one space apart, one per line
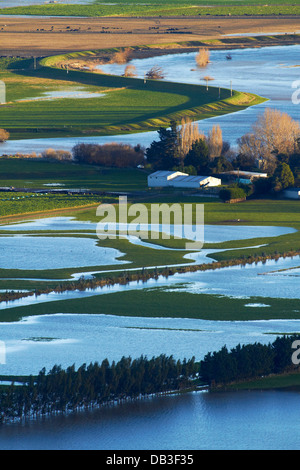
24 203
285 381
155 8
157 303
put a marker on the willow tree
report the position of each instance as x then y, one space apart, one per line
273 133
130 71
202 57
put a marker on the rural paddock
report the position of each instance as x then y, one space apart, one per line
29 36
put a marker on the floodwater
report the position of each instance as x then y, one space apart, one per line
244 420
25 252
255 280
66 339
194 421
272 72
212 233
64 94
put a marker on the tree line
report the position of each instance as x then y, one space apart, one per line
248 361
68 390
126 277
109 155
272 146
64 390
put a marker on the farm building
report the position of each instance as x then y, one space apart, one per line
160 179
292 193
195 182
246 177
177 179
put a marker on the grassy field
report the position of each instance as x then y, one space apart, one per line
164 8
284 381
125 105
157 303
35 174
26 203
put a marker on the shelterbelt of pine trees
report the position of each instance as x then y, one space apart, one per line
62 391
249 361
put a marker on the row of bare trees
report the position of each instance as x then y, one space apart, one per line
189 132
109 155
156 73
273 134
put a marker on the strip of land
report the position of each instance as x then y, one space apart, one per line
29 37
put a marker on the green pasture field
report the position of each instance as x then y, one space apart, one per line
126 105
36 173
157 303
29 203
281 381
163 8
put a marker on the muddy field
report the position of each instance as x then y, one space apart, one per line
46 36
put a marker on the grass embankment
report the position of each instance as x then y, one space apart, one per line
127 105
163 8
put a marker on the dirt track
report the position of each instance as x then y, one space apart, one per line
46 36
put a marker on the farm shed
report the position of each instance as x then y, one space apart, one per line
160 179
195 182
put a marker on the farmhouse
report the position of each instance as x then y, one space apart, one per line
292 193
177 179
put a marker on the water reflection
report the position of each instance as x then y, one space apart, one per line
243 420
